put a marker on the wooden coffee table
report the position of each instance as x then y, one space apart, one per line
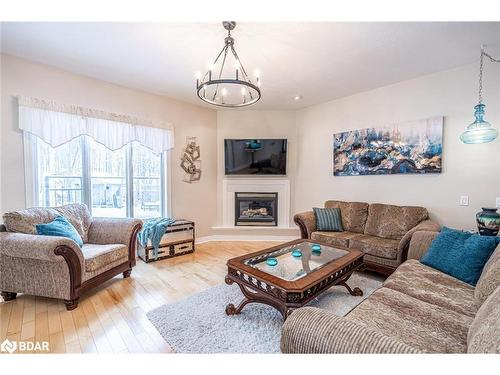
294 280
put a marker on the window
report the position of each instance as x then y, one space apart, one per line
130 181
60 174
108 180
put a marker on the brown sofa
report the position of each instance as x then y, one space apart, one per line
57 267
383 232
417 310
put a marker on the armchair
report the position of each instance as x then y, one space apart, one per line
56 267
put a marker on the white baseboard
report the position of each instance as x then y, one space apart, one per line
241 237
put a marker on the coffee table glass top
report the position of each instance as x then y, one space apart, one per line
293 262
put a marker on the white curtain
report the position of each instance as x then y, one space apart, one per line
57 124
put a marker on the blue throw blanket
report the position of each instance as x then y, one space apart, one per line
153 230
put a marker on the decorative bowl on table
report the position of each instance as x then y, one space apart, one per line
271 261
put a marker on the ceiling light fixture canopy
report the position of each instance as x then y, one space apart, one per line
480 131
218 88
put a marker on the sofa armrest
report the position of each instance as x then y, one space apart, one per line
419 244
426 225
113 230
45 248
312 330
306 222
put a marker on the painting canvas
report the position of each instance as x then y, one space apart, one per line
414 147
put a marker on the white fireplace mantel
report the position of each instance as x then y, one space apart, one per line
258 185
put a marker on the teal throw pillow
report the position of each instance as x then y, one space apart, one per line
460 254
328 219
61 227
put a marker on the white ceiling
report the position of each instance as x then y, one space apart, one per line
318 61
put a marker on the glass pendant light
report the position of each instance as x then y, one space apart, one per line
480 131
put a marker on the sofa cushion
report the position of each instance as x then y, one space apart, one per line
385 262
489 279
484 333
414 322
393 222
60 227
460 254
353 214
328 219
377 246
334 238
98 256
79 216
432 286
25 221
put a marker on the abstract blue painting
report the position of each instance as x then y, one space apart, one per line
413 147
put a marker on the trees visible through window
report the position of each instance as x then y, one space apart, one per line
126 182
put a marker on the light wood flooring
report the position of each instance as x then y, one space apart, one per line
112 318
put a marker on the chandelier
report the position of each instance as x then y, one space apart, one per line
224 86
480 131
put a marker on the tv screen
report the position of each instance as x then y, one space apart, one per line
255 156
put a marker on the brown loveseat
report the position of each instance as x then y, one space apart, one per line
418 309
383 232
57 267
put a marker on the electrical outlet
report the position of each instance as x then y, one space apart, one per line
497 202
464 200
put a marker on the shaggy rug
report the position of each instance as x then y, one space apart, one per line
199 324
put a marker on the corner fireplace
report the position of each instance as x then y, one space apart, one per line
256 209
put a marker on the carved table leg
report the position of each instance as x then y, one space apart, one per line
232 310
8 296
254 297
71 304
354 292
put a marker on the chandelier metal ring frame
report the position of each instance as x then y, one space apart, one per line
213 91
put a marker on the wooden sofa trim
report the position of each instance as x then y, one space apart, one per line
75 270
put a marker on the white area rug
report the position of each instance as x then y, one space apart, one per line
199 324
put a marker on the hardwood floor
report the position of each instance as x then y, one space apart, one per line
112 318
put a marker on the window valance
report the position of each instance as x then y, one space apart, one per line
57 124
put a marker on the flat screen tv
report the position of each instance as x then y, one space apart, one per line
255 156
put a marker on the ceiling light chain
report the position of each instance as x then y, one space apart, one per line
481 62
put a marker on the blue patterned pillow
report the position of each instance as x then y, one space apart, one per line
61 227
328 219
460 254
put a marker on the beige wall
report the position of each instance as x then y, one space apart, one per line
472 170
234 124
21 77
1 125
